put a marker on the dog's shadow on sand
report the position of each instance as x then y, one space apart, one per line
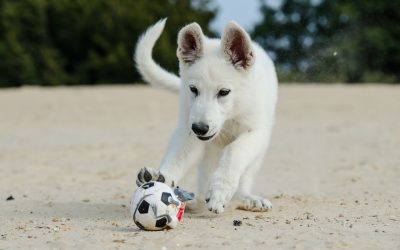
94 210
114 215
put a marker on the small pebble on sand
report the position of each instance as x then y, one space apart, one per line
237 223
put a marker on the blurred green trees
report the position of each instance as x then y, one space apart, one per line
53 42
333 40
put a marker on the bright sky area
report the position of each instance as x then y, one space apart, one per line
244 12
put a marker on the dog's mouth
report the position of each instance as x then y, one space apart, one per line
205 138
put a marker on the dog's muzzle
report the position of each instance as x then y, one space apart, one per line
201 129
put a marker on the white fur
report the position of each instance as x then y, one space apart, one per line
241 121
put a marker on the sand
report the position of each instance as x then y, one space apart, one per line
69 157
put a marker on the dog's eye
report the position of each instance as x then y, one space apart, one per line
194 90
223 92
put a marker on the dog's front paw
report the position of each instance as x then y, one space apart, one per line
149 174
217 196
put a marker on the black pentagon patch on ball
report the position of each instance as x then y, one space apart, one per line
164 198
148 185
161 222
144 207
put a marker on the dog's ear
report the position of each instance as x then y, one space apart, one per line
237 47
190 44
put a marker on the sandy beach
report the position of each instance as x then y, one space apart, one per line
69 158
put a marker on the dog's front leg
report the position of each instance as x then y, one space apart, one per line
235 158
184 150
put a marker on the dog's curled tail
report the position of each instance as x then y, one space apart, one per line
148 68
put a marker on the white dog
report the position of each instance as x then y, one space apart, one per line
228 93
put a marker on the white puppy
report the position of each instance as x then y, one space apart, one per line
228 93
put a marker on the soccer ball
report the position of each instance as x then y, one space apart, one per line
154 206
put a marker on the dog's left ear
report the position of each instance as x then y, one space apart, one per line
237 47
190 44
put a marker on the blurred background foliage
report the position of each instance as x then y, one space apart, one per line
70 42
57 42
333 40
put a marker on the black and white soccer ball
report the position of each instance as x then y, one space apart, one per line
154 206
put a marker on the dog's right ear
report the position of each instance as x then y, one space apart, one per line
190 44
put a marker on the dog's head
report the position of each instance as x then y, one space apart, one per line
212 72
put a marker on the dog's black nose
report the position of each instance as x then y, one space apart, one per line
200 128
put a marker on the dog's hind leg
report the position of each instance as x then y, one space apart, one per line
248 201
